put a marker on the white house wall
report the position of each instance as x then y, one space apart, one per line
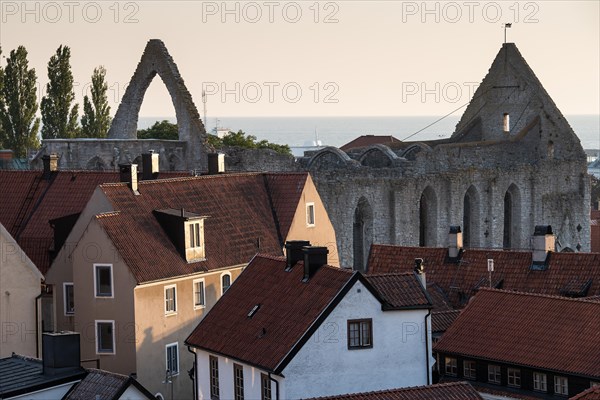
325 366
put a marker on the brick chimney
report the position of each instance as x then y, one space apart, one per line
294 253
455 241
150 165
314 258
544 242
60 352
128 174
419 270
216 163
50 163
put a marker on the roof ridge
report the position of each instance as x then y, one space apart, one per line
378 274
550 296
407 389
107 214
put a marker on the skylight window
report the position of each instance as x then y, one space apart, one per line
253 311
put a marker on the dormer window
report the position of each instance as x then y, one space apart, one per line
186 231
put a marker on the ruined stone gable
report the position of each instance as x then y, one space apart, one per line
513 162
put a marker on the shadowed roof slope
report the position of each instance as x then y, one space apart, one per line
562 334
592 393
446 391
368 140
287 309
285 190
568 274
241 221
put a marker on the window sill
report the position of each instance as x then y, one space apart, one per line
199 307
105 353
170 314
360 348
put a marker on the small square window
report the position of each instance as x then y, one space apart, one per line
469 369
170 299
69 299
494 374
360 334
105 337
514 377
561 385
540 382
310 214
451 366
172 354
199 299
103 280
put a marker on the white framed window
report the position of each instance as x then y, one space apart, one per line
540 382
360 334
451 366
199 295
469 369
170 299
310 214
68 298
561 385
195 235
103 280
105 337
514 377
225 282
172 358
494 374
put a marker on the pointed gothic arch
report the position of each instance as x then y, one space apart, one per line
362 233
428 218
471 218
157 61
511 237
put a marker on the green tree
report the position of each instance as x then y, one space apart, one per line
18 104
59 118
160 130
95 121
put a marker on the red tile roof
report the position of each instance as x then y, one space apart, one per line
562 334
399 290
242 220
441 321
285 190
368 140
567 273
447 391
103 385
592 393
288 310
30 199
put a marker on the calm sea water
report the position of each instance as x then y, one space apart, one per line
336 131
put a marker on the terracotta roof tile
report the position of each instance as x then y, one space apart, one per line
562 334
368 140
567 273
241 221
441 321
285 190
287 308
447 391
97 384
592 393
399 290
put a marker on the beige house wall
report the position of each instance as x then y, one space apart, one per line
96 248
322 233
20 282
155 329
61 269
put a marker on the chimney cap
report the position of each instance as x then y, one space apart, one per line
455 229
419 266
541 230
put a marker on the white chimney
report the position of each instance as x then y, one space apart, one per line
544 242
455 241
506 123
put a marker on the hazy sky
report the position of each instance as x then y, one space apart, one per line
285 58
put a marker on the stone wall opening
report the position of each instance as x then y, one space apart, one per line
362 233
471 218
428 218
512 218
